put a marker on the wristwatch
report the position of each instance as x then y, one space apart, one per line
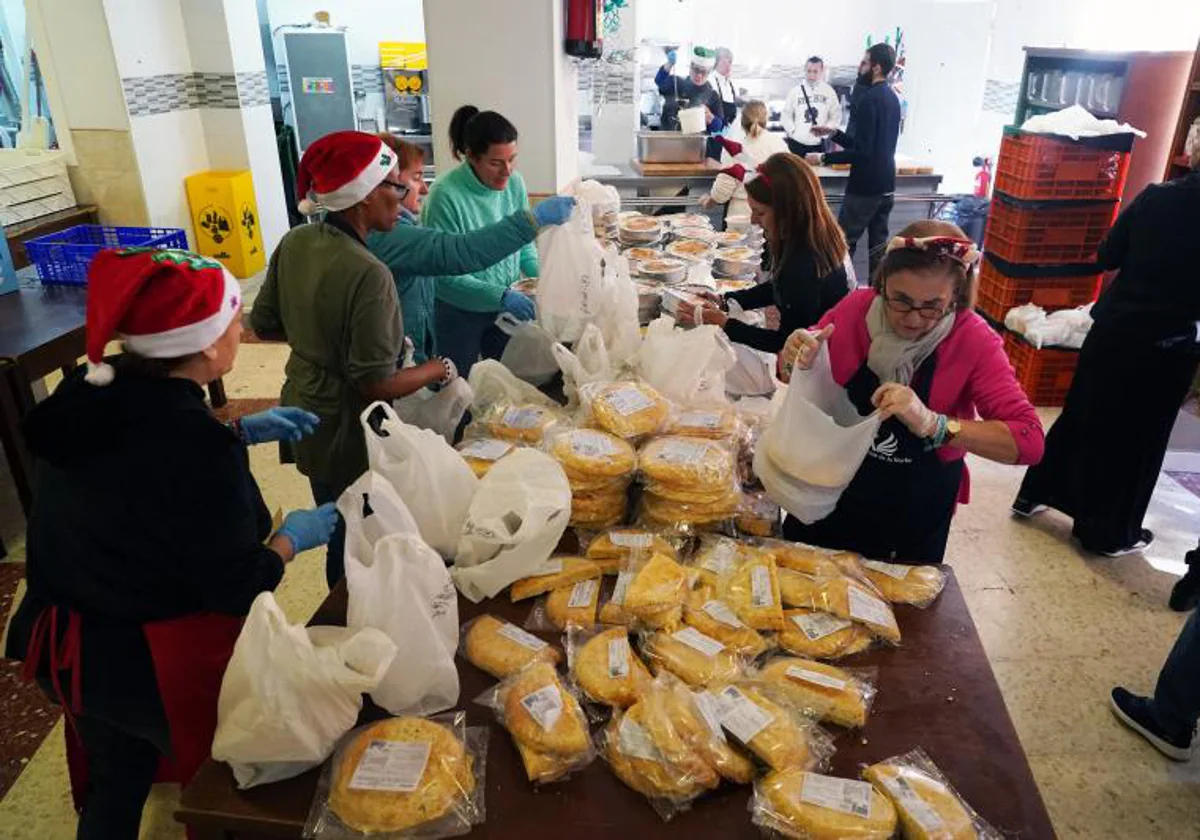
953 429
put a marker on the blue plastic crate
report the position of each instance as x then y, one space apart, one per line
63 258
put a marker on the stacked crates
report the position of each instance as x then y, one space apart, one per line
1054 203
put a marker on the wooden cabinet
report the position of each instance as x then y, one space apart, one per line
1177 161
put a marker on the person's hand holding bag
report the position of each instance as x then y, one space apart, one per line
517 305
306 529
800 350
554 210
278 423
899 401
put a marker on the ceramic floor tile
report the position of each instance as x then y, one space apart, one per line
257 371
38 806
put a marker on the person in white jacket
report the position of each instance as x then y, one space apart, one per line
758 145
811 104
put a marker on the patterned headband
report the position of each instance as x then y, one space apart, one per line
962 251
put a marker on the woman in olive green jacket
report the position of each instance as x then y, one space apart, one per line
414 253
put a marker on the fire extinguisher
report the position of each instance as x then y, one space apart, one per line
585 23
983 178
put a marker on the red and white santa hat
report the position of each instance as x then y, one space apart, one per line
340 170
164 303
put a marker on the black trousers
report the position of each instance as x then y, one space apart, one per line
802 149
1104 452
121 769
868 213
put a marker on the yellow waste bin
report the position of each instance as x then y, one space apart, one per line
225 218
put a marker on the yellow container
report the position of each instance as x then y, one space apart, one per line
225 219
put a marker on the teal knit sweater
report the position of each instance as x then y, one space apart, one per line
460 202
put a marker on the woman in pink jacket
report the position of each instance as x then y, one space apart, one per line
912 349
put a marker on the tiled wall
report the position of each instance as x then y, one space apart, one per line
1000 97
169 92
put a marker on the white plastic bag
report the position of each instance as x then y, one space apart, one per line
291 692
754 373
433 480
588 362
514 524
494 384
686 366
618 316
439 411
814 444
399 585
528 354
570 275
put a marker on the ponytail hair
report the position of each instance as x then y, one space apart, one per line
754 118
473 131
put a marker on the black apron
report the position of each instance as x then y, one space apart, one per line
899 504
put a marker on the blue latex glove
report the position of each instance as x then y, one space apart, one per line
279 423
517 305
671 57
306 529
554 210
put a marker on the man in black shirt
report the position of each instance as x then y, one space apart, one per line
871 153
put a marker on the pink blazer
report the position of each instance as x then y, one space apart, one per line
973 378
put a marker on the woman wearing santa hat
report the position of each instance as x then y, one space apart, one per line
335 304
148 538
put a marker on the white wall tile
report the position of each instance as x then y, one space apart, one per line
169 147
148 37
224 138
264 168
245 38
76 57
207 36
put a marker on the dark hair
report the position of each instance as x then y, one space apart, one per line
816 59
473 132
803 220
913 259
883 55
408 154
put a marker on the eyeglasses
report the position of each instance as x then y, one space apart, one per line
402 190
930 312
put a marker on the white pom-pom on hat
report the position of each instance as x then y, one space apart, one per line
99 374
306 207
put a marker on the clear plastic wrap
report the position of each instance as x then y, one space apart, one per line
610 549
627 409
766 721
714 617
752 589
758 516
545 721
847 598
481 454
798 589
402 778
656 591
715 558
499 648
808 806
515 422
899 584
695 658
568 606
929 807
711 423
693 715
815 634
836 695
558 572
605 666
688 469
798 557
613 611
590 454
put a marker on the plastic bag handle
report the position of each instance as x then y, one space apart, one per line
389 413
507 323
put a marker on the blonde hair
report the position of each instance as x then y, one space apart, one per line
754 118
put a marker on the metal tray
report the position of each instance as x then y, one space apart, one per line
670 147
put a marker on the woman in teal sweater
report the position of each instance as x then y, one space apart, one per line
481 191
411 251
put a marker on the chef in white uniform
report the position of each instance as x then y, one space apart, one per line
724 85
810 104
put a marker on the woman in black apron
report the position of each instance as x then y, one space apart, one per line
912 349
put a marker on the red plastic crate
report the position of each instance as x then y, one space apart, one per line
1045 374
1043 166
1000 292
1047 234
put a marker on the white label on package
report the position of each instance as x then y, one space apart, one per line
618 659
544 705
391 765
741 715
720 559
721 612
635 742
628 401
870 609
592 444
620 588
819 625
522 418
631 539
583 593
682 452
700 420
549 567
515 634
486 450
910 801
710 710
760 587
895 570
845 795
696 640
817 678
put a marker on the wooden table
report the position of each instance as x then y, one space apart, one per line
937 691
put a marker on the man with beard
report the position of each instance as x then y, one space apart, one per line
871 153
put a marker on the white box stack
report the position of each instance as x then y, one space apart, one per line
33 183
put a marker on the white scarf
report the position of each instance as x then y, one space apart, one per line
896 359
